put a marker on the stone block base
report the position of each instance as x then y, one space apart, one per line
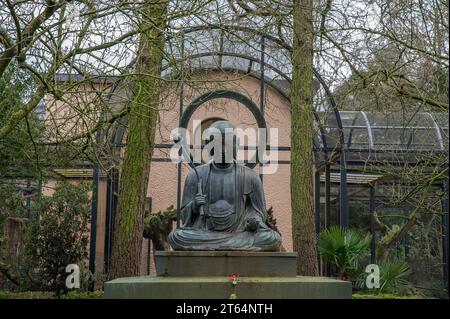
225 263
157 287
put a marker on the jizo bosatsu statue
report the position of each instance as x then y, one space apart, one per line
223 207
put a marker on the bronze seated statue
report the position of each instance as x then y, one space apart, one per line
228 212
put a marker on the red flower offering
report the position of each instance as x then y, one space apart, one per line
234 279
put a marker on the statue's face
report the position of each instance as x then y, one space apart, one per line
222 138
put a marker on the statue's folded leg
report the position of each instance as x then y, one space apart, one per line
199 239
267 240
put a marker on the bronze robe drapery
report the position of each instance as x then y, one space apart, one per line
225 231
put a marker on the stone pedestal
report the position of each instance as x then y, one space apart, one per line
298 287
205 275
226 263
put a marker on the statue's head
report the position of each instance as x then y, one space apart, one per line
222 140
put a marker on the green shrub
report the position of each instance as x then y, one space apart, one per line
77 294
382 296
27 295
58 236
343 248
72 294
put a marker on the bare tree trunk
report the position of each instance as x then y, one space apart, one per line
302 202
129 221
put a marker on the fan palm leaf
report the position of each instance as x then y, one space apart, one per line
343 248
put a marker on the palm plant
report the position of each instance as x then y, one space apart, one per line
392 276
343 248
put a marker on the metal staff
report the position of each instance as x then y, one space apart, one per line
178 138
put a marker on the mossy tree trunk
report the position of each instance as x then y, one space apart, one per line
302 201
142 120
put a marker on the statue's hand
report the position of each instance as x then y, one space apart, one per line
199 200
251 224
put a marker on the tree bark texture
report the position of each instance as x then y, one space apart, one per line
302 131
142 121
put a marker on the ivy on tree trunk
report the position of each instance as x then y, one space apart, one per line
302 202
142 120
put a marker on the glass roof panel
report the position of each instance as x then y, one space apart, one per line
403 131
387 131
230 62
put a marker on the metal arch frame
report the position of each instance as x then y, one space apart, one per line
368 127
316 116
252 59
231 54
282 44
276 41
223 94
438 132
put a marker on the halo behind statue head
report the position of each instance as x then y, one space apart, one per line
226 94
